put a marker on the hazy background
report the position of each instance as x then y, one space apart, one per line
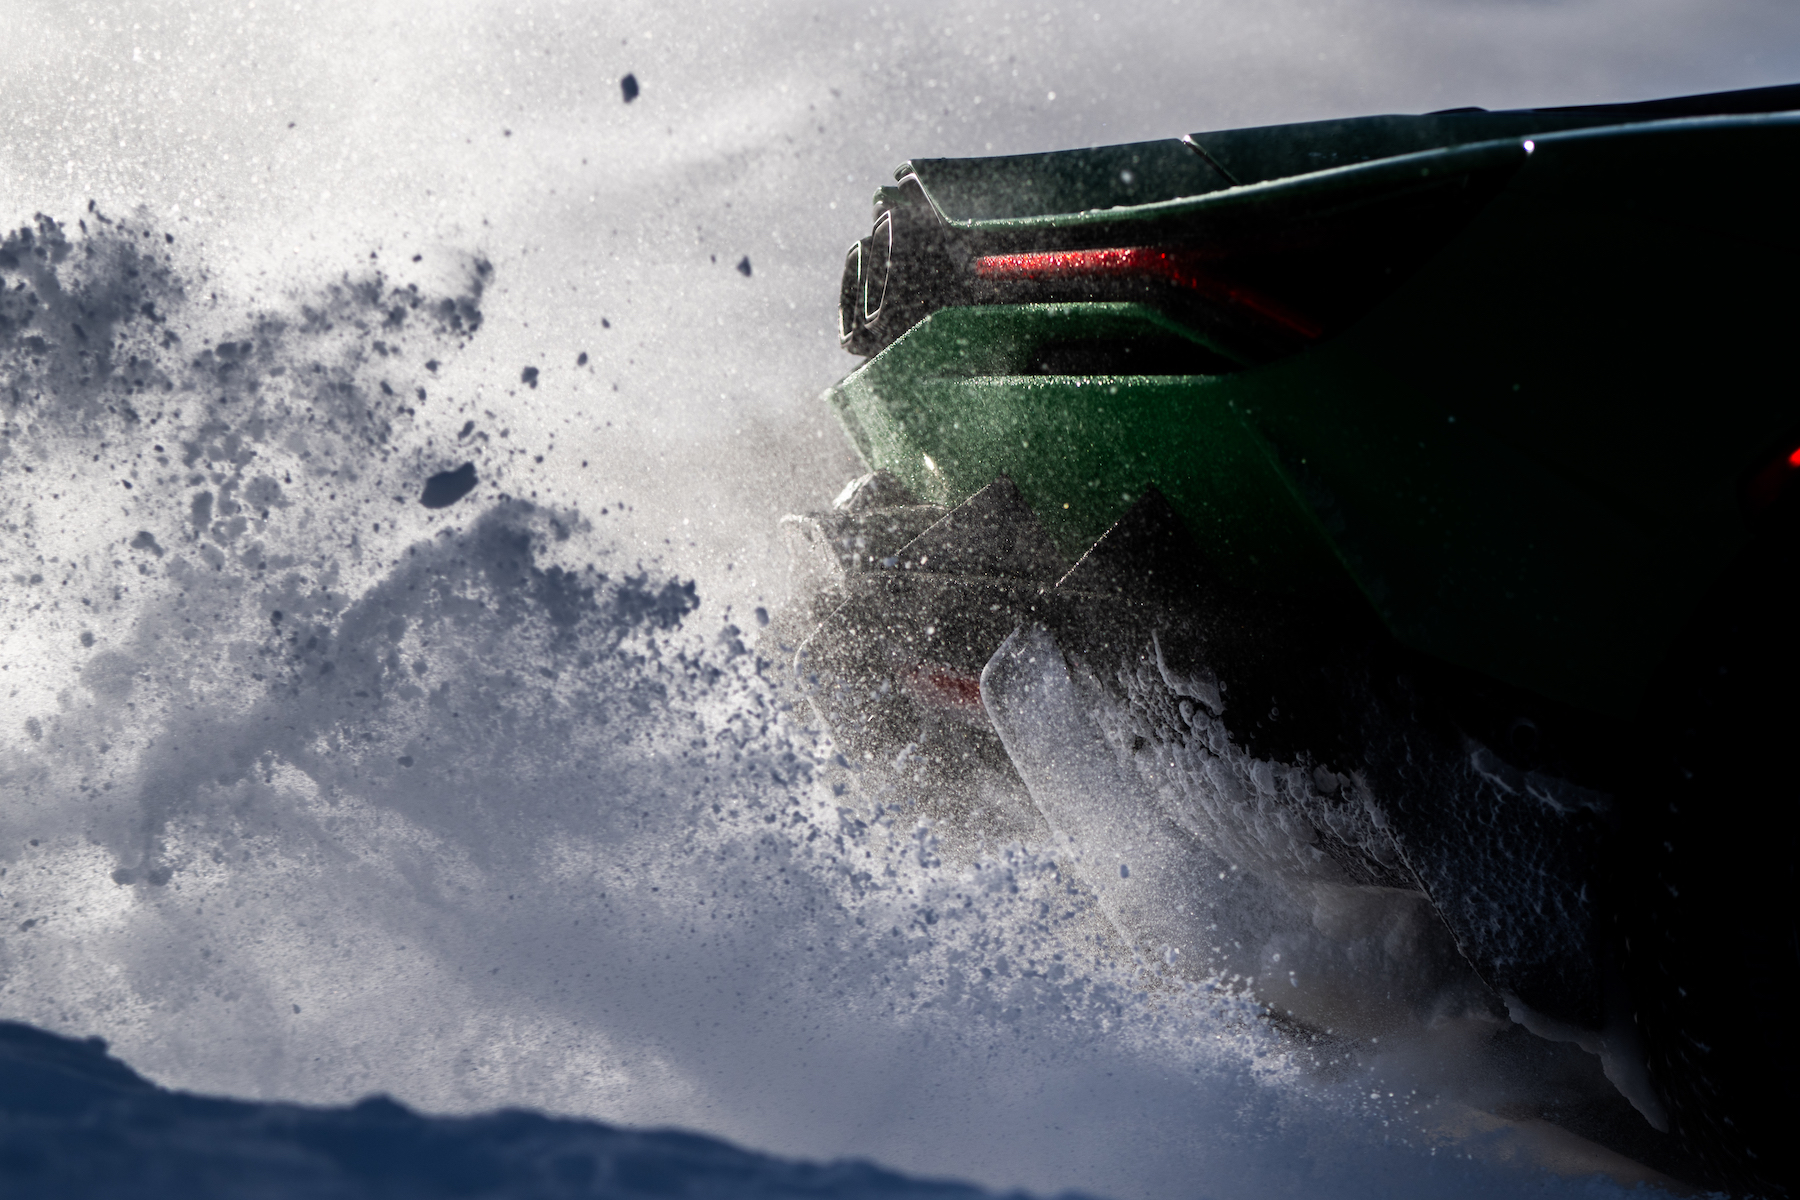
577 869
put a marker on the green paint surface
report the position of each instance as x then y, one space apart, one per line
1527 458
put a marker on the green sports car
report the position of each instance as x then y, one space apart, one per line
1394 517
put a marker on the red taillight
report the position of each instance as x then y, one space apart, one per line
1766 486
1057 264
954 693
1179 267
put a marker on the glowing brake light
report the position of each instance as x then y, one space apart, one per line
1767 485
946 690
1175 266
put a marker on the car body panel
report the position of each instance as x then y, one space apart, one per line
1528 456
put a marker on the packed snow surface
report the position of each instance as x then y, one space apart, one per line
396 412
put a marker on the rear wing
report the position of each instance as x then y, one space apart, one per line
1261 241
963 191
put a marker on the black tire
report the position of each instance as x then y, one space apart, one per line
1708 878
